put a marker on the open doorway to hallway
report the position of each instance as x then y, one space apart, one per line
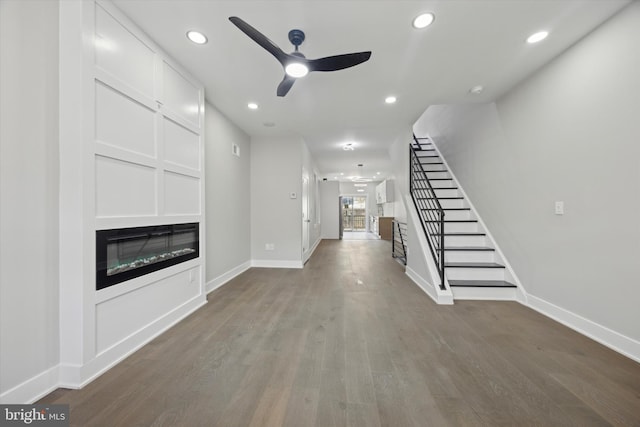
354 222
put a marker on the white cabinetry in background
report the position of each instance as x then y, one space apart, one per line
384 192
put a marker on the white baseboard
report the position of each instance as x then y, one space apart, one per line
605 336
276 263
33 389
76 377
310 252
226 277
429 289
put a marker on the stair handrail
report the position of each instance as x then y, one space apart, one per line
435 235
403 254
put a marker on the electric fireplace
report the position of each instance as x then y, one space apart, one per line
125 253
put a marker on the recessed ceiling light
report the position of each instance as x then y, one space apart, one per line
252 106
390 99
360 190
359 185
537 37
196 37
296 69
378 173
476 90
335 177
424 20
341 173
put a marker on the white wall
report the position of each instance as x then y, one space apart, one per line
399 155
330 209
569 133
227 198
276 172
28 195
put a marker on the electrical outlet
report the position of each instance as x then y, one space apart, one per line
269 246
559 208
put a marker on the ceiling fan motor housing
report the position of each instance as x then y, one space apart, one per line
296 37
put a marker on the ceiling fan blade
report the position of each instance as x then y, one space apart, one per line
259 38
285 85
338 62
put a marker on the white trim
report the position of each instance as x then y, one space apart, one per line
429 289
614 340
226 277
276 263
308 254
32 389
76 377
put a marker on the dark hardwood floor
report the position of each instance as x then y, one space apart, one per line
350 341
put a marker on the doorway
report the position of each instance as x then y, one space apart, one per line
354 213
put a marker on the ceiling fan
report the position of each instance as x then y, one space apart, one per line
295 64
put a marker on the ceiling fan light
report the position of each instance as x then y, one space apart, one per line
296 69
423 20
196 37
537 37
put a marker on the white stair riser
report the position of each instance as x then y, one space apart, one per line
432 167
447 193
475 273
471 293
455 227
465 240
437 174
460 227
457 214
469 256
450 214
442 183
428 157
444 203
453 203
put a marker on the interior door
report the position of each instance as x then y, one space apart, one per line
306 220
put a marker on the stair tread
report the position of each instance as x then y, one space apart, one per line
473 265
482 283
446 209
463 233
468 248
441 198
433 163
453 220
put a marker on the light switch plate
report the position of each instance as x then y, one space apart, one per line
559 208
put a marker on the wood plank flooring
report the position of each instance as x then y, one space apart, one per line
350 341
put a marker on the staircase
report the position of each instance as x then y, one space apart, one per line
472 266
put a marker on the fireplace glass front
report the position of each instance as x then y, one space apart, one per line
125 253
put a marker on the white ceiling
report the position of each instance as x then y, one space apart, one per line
471 42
